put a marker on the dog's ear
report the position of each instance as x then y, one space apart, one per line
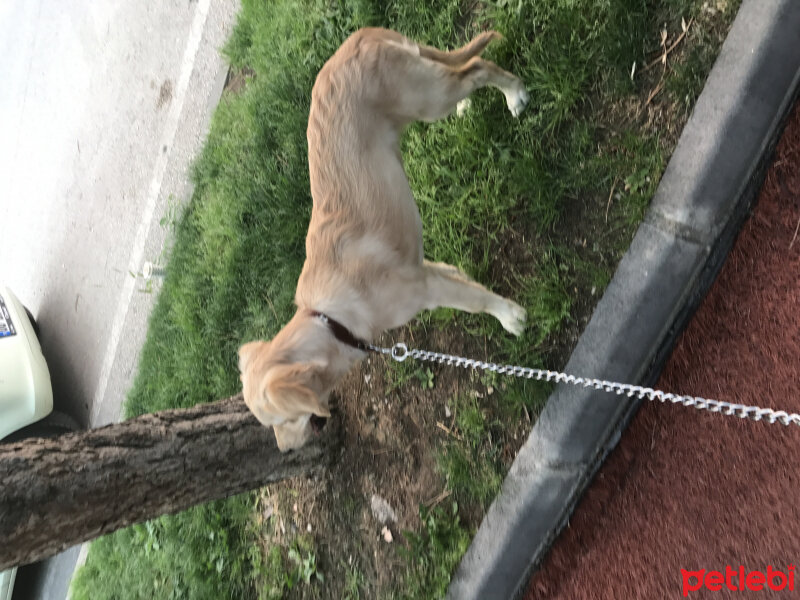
294 390
252 374
248 352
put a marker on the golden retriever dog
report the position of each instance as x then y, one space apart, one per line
365 271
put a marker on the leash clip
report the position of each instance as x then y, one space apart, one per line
400 352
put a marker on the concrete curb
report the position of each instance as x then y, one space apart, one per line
701 202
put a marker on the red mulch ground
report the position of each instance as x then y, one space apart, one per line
693 490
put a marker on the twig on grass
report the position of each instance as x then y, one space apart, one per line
272 307
655 91
611 195
436 499
444 427
663 57
382 451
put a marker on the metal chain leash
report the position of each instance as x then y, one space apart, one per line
400 352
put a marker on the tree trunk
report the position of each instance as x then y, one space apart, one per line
55 493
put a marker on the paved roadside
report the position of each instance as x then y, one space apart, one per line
102 108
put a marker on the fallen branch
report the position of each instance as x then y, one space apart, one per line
63 491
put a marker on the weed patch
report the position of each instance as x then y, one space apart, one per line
434 552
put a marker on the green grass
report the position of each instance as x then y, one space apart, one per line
204 552
353 584
433 553
540 181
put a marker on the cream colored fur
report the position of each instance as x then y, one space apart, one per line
364 259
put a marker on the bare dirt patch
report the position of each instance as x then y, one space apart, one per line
393 427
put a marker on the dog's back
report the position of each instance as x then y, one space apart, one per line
364 220
364 254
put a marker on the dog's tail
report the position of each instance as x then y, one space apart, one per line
456 58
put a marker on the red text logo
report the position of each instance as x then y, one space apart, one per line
738 580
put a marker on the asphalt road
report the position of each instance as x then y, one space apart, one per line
103 105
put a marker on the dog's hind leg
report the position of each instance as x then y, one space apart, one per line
482 72
456 58
422 89
448 286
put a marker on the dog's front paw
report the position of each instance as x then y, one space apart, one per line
513 318
517 99
463 106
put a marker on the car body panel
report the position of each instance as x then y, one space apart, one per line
26 394
7 583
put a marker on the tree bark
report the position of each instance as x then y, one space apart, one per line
55 493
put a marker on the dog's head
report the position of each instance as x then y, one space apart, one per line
283 394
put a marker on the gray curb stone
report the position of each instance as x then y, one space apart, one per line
701 202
